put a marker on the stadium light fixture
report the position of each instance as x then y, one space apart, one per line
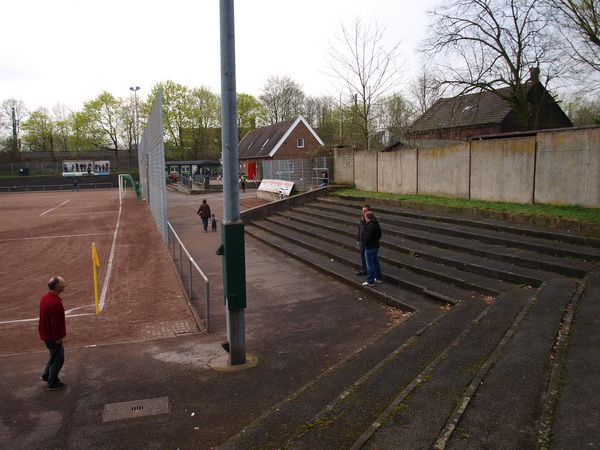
136 115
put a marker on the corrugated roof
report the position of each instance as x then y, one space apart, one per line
465 110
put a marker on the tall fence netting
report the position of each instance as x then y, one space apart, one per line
151 161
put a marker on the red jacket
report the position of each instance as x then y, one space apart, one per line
52 324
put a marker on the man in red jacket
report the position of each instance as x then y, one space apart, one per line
52 328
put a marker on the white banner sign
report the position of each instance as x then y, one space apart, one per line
277 186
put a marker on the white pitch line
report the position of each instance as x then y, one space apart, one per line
110 262
35 319
53 237
45 212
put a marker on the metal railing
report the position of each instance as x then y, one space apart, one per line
56 187
178 259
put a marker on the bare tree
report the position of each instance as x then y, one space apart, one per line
578 22
368 69
282 99
425 90
496 46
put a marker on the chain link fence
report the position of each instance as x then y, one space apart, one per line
151 161
306 174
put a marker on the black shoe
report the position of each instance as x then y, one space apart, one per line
361 273
57 387
44 379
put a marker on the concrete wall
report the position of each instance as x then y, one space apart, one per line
568 168
444 171
552 167
503 170
343 160
398 172
365 170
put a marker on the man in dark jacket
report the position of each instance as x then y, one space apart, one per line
371 237
52 329
361 230
204 213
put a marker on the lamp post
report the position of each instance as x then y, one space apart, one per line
136 115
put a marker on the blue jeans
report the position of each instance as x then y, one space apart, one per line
55 363
373 267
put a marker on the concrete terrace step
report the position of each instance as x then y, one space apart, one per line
561 235
291 423
408 280
468 261
566 265
408 299
392 254
476 350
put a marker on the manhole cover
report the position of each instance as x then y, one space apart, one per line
136 408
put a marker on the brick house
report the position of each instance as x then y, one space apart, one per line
288 140
466 116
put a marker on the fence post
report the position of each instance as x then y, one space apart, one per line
190 284
180 261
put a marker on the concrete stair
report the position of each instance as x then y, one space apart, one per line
472 363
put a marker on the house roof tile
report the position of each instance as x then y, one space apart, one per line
265 141
465 110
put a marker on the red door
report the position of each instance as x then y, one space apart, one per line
251 171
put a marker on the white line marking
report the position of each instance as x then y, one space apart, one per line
110 262
45 212
35 319
52 237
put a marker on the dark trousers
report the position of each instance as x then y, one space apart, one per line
205 223
363 262
55 363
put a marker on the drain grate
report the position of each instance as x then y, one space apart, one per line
136 408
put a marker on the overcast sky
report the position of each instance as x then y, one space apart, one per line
69 51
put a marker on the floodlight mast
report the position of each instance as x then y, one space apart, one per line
136 116
232 229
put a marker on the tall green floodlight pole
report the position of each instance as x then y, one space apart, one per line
232 230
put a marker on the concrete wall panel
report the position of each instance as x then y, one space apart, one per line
343 168
398 172
503 169
568 168
365 170
554 167
444 171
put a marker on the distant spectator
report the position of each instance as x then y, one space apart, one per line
325 179
205 214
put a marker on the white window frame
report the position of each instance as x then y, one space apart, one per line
300 142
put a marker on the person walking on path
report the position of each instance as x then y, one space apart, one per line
361 230
243 182
52 329
75 185
371 238
204 213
